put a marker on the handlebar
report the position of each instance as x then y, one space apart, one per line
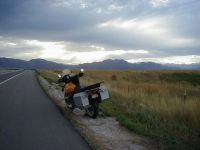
71 77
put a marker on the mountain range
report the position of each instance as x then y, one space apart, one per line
117 64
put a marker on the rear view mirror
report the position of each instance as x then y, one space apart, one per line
59 76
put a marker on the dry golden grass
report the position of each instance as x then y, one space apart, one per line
162 104
179 100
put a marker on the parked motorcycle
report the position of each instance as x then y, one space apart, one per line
87 98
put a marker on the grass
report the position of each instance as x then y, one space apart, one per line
163 105
49 75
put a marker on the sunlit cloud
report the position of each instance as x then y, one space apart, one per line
170 60
157 29
145 26
87 57
159 3
115 7
109 9
5 43
94 47
132 51
68 52
118 23
49 49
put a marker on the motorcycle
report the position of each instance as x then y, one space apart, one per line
87 98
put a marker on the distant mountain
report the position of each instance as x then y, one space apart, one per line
109 64
12 63
44 64
195 66
120 64
32 64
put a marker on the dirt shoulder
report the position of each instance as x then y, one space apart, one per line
103 133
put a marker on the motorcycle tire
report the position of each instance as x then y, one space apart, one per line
93 111
69 104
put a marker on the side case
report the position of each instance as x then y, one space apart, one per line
81 99
104 93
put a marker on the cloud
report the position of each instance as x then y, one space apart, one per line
75 28
188 59
16 48
65 52
148 33
159 3
87 57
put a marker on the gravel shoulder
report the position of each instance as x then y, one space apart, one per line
103 133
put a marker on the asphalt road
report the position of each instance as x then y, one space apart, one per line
29 120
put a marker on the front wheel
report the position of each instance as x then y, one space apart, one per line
69 102
93 110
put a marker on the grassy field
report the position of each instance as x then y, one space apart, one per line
164 105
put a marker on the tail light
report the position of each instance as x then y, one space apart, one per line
94 96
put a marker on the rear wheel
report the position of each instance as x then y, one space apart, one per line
93 110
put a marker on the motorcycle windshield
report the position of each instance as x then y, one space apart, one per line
66 72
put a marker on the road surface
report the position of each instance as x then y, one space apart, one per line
29 120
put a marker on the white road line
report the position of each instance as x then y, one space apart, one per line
11 78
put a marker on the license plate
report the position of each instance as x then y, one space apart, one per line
95 95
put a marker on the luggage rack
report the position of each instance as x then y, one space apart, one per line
94 86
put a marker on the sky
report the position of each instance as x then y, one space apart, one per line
83 31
